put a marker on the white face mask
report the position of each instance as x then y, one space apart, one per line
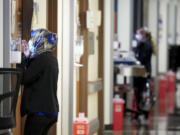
31 47
138 37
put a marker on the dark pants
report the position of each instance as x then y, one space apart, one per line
139 84
38 125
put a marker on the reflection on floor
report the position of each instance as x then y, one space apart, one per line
164 120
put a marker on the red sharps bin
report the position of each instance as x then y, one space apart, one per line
171 89
81 125
162 95
118 113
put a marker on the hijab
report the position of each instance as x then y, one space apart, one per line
42 41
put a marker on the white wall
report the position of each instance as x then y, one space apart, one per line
172 22
1 33
178 24
163 51
152 26
125 23
66 64
167 30
152 23
108 60
41 20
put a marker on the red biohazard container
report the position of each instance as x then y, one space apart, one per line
162 95
162 87
171 89
118 112
81 125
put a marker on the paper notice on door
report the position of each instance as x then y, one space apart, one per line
15 57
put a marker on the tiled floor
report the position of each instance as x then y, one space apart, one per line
160 122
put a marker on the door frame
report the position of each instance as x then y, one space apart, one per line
101 70
65 57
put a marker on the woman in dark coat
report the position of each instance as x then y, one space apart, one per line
143 53
39 100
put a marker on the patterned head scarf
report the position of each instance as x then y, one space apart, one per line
42 41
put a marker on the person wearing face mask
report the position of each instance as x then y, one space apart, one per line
143 54
39 100
144 49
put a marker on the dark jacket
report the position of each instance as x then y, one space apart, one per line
40 85
143 53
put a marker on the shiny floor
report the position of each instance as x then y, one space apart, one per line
164 119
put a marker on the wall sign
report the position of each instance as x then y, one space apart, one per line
15 53
93 19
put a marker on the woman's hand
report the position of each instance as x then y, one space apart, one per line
26 48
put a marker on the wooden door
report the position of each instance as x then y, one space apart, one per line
83 95
83 85
101 70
